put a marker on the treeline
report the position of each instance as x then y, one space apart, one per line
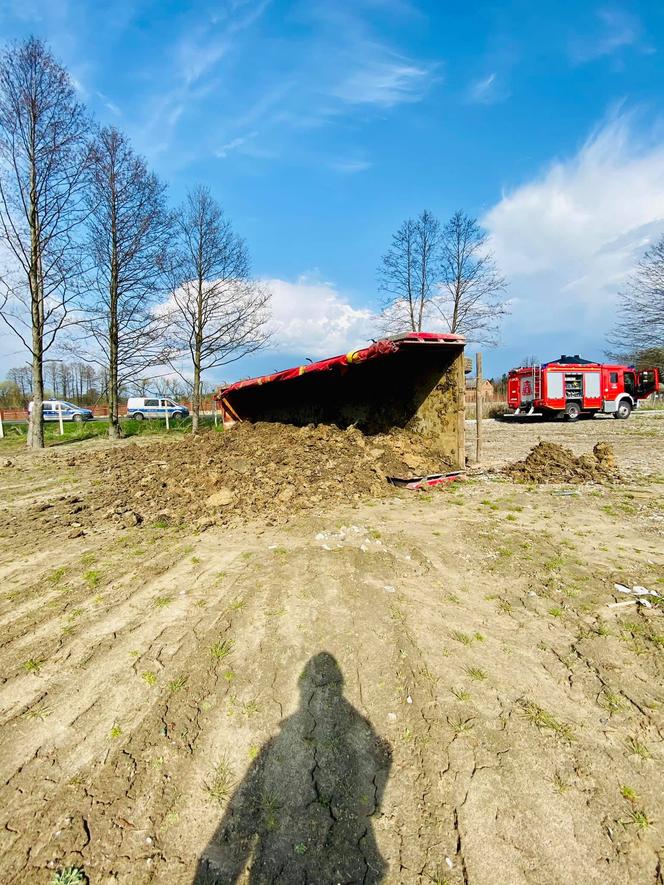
84 385
100 279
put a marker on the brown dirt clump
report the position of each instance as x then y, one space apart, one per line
253 471
550 462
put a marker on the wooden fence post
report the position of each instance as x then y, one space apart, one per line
478 406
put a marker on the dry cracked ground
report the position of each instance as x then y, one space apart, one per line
429 688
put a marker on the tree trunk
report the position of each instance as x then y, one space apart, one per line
196 395
114 431
36 423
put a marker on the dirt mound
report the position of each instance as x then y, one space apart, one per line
263 471
550 462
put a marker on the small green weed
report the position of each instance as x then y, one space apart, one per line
476 673
639 818
115 731
163 601
463 638
628 793
636 748
69 876
219 786
221 649
92 579
176 684
149 677
542 720
32 665
460 694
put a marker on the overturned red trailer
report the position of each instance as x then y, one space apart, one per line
413 381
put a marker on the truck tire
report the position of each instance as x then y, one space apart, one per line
572 411
624 409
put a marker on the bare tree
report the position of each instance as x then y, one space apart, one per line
470 290
129 231
43 158
409 272
21 376
640 323
219 313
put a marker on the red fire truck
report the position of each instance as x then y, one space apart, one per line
571 386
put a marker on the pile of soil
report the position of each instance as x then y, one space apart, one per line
253 471
549 462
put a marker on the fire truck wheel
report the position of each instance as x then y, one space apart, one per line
624 409
572 411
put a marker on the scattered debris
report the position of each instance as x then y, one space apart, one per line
639 592
550 462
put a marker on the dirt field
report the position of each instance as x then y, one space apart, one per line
404 687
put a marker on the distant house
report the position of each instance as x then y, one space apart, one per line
487 386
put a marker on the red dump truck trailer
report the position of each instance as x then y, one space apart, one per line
572 386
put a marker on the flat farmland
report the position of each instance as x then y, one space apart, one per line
352 684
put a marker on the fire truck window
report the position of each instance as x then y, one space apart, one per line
613 377
629 383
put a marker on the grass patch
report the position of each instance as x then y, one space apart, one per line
221 649
476 673
149 677
463 638
32 665
460 694
115 731
176 684
220 783
636 748
163 601
544 720
92 578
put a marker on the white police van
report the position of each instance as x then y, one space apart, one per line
52 408
140 407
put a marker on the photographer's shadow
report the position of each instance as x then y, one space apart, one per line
303 812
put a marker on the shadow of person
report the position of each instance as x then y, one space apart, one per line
303 812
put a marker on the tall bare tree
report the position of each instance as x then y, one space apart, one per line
43 158
408 273
640 324
129 230
470 292
219 313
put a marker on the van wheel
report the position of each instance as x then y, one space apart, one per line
624 409
572 411
138 416
78 418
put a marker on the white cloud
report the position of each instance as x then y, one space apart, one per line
384 82
568 239
312 317
350 166
616 29
487 90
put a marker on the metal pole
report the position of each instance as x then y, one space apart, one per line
168 426
2 429
478 406
62 430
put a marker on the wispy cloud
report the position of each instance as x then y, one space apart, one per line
350 166
385 82
488 90
615 29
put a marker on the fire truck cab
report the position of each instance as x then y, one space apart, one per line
572 386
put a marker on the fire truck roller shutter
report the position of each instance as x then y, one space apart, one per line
555 385
592 386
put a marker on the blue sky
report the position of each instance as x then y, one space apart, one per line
320 126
